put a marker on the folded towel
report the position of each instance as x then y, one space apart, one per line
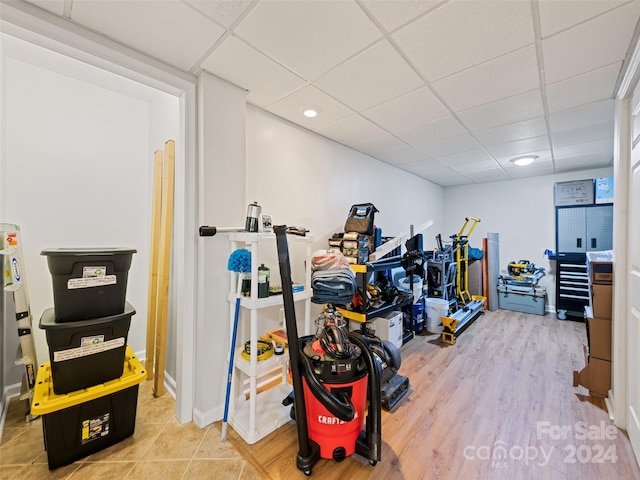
336 286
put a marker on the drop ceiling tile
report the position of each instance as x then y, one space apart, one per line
497 175
591 114
381 145
520 147
408 110
446 178
431 168
225 12
584 134
590 45
509 75
524 106
582 162
398 12
242 65
431 132
445 41
404 156
478 167
557 16
291 106
585 88
471 156
351 130
374 76
526 129
604 146
143 26
421 166
308 37
537 169
55 6
461 143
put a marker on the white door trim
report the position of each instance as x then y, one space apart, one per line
617 401
620 395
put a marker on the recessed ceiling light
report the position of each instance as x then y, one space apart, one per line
310 112
524 160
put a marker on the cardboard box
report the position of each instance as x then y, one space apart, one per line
389 328
601 272
601 301
599 338
600 267
596 376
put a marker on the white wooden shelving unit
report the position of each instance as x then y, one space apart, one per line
262 412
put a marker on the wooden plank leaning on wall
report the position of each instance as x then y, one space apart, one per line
160 265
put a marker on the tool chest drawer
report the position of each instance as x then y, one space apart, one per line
572 286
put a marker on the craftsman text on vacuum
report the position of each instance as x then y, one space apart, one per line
324 420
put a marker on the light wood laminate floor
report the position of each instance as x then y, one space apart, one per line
489 407
500 404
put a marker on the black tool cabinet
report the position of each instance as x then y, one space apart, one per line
579 229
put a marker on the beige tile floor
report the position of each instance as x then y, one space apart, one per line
159 448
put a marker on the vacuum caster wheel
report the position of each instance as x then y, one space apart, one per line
307 473
373 462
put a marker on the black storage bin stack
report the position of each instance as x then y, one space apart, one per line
87 327
87 331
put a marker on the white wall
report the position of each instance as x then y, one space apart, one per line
221 204
520 211
300 178
303 179
77 167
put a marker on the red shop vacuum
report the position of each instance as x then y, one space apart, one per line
336 383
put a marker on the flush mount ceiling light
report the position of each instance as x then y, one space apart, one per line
524 160
310 112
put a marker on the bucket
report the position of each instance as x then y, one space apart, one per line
405 283
436 308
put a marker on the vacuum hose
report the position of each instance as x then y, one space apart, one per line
340 407
374 415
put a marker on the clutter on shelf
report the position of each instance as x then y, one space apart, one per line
332 281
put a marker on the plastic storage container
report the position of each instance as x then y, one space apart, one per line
83 423
86 353
88 283
436 308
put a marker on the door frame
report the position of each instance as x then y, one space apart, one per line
618 399
45 29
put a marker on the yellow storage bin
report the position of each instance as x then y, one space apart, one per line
80 423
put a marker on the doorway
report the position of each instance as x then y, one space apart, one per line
76 169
